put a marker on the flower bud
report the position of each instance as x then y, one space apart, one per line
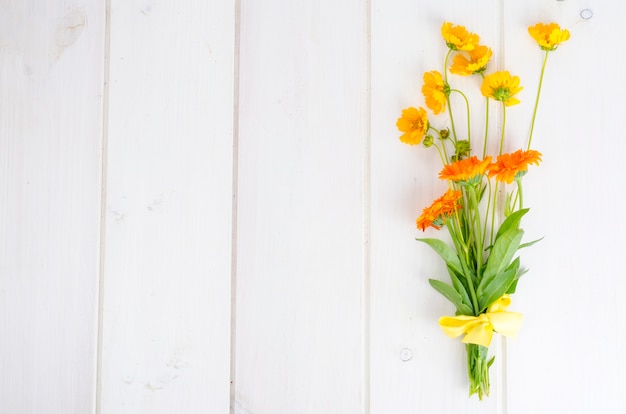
462 148
428 141
444 133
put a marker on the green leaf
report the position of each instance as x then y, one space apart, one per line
514 266
501 254
446 253
450 294
482 192
519 273
460 286
507 205
494 290
513 287
511 222
529 243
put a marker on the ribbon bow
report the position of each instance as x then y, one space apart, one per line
479 329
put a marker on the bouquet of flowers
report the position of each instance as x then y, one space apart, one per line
484 204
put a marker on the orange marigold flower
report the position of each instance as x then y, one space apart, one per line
414 124
442 208
435 91
458 38
548 36
508 167
479 57
501 86
467 171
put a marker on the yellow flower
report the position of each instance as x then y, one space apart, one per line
501 86
458 38
469 170
435 91
443 207
509 166
548 36
479 57
414 124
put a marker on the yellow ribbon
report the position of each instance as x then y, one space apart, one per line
479 329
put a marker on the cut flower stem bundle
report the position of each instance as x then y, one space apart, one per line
482 262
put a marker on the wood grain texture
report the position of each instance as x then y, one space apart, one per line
569 355
51 80
303 135
333 311
166 320
415 367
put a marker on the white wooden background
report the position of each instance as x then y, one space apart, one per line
204 207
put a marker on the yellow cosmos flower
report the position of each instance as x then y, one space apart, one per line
458 38
479 57
435 91
467 171
443 207
508 166
548 36
414 124
501 86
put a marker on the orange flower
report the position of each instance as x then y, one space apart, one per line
434 91
479 57
468 171
414 124
548 36
511 166
501 86
458 38
442 208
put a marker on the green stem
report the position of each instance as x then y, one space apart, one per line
478 370
515 199
462 246
503 128
451 118
493 213
520 193
445 66
445 79
486 126
443 146
532 124
478 238
443 161
467 106
487 212
470 283
486 122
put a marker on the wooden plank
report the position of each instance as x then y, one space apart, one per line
569 355
51 80
166 320
414 366
300 243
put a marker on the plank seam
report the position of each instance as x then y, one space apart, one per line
234 215
103 202
501 408
367 173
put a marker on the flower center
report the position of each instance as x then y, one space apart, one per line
501 93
